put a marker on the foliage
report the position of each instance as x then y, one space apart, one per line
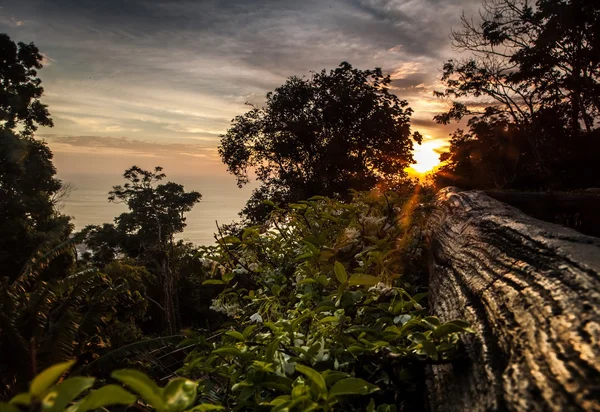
156 212
534 74
27 214
48 392
146 232
324 135
20 88
82 314
323 307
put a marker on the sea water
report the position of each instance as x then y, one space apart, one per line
221 201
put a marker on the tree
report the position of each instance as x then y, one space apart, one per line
534 71
146 232
28 186
27 214
324 135
21 89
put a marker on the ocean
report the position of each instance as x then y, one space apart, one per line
221 201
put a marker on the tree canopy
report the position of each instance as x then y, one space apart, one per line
322 135
28 186
156 211
21 89
529 86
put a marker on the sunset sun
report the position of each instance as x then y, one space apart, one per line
426 157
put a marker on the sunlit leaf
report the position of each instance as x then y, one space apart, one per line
179 394
22 399
107 395
68 390
227 350
214 282
351 386
142 385
236 335
48 377
340 272
363 280
314 376
206 408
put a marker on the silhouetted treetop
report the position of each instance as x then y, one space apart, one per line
530 87
156 211
20 88
321 135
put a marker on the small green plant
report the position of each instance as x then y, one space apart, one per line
49 393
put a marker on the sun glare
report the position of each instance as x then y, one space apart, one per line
426 157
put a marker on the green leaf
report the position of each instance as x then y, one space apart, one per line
7 407
332 377
214 282
107 395
313 249
248 331
429 349
206 407
227 350
340 272
231 240
351 386
68 390
359 329
271 349
22 399
452 327
268 203
48 377
329 319
363 280
236 335
142 385
179 394
314 376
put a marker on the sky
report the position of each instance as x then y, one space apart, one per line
155 82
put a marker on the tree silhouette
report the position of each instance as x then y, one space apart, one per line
21 89
28 217
146 232
323 135
539 66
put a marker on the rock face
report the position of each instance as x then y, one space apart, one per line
531 290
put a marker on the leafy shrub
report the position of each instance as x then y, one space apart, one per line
322 313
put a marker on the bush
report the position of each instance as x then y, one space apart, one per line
322 313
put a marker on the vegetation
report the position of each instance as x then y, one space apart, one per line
538 64
322 307
323 136
146 232
21 88
318 300
47 392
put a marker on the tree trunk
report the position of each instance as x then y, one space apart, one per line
531 291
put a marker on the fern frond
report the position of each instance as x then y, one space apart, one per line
133 350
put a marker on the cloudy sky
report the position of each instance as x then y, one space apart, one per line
156 81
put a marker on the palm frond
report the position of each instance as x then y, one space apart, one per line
42 257
132 351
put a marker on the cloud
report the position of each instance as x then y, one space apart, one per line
11 21
127 147
160 71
